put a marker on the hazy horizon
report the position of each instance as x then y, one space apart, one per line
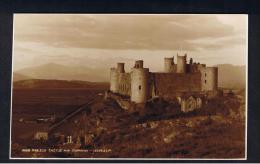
100 41
127 66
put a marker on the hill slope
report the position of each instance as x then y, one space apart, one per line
39 83
18 77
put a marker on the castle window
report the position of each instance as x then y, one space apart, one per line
205 81
139 87
205 75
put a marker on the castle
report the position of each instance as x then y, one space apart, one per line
178 79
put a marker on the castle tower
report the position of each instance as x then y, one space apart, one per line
139 64
181 63
139 84
168 65
114 77
114 80
209 78
121 67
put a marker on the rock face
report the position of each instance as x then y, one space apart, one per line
190 103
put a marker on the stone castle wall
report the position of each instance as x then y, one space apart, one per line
167 84
124 84
141 85
169 65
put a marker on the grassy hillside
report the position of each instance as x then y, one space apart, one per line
39 83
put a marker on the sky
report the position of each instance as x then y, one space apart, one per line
102 40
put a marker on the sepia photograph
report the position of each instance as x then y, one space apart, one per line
129 86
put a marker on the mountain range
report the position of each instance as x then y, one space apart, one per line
230 76
62 72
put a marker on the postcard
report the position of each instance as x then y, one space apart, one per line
129 86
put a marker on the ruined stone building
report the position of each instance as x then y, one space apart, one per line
177 79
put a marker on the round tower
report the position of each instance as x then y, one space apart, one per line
168 64
121 67
139 85
114 80
181 64
213 79
209 78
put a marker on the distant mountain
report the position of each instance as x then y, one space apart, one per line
62 72
44 84
18 77
231 76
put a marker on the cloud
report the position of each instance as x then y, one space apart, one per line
122 32
218 43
